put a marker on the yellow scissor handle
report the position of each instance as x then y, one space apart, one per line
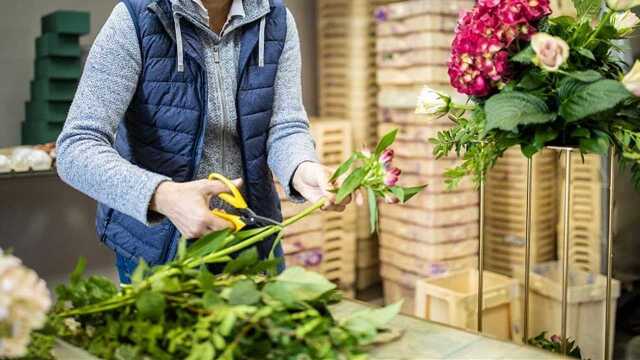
233 197
233 219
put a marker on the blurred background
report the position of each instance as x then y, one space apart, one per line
364 62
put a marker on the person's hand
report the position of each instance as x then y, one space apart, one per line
311 180
187 206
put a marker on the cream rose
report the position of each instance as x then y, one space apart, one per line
625 22
551 51
632 80
432 102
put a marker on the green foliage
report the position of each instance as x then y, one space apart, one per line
582 105
366 172
588 8
208 316
509 110
554 344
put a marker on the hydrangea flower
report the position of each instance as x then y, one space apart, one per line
483 42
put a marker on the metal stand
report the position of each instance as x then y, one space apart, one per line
481 256
527 252
566 220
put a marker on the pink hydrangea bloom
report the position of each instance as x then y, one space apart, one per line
479 60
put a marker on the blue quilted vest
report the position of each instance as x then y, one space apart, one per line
163 129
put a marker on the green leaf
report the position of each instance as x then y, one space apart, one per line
373 210
587 76
352 183
342 169
386 141
203 351
587 8
507 111
246 259
581 133
78 271
244 293
543 136
297 284
210 299
532 80
524 56
597 144
586 53
206 279
365 323
182 249
140 272
151 305
406 193
593 98
208 244
569 86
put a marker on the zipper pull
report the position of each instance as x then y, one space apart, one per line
216 54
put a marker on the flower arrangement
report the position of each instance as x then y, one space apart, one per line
24 302
535 80
180 310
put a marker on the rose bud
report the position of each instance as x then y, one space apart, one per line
392 176
551 51
556 339
386 158
432 102
632 80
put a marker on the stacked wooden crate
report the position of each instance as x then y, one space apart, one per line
437 232
347 90
325 242
586 230
506 210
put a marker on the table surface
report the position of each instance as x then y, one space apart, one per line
428 340
420 340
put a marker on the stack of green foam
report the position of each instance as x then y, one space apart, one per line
57 71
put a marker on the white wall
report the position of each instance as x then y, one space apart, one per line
20 26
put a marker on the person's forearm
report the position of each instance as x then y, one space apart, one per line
86 157
290 143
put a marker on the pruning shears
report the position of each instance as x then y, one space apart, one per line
245 216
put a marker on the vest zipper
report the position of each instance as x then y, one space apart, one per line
225 115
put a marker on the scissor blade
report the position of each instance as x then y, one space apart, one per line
261 220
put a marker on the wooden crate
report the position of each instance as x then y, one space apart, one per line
586 215
452 299
506 210
586 306
395 292
429 252
423 267
435 235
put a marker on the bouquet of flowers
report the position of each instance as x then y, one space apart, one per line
534 80
24 302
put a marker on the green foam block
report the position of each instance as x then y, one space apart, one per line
47 111
58 68
35 133
67 22
52 44
53 90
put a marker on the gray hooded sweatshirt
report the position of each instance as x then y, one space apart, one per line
86 157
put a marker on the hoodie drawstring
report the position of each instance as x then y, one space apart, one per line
179 44
261 43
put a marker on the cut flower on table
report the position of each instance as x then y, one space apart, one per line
536 80
180 310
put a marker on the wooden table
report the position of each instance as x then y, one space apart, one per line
422 340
